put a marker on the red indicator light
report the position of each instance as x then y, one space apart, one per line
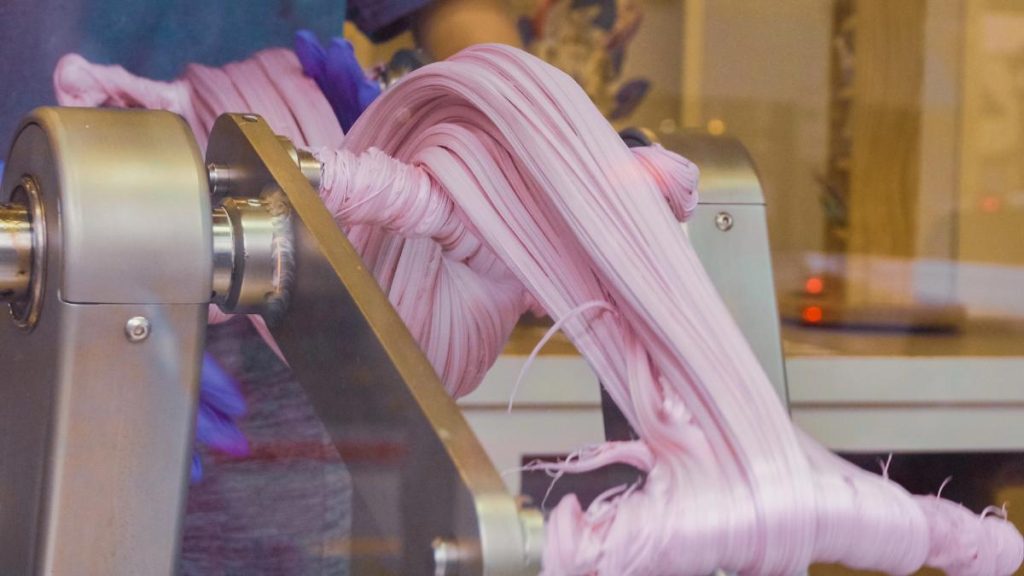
991 204
814 285
812 314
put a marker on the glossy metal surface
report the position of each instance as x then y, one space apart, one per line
15 251
25 240
251 251
223 253
307 163
365 375
25 310
727 173
96 429
729 231
131 170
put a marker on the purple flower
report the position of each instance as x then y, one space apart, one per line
338 74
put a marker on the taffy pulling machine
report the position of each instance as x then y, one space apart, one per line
115 237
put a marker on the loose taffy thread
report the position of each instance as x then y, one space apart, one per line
547 336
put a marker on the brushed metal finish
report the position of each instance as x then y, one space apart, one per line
26 306
223 254
362 370
96 430
15 251
310 167
532 522
138 180
121 440
727 173
729 232
260 245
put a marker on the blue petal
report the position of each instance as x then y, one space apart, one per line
311 55
342 82
219 389
196 471
219 432
220 404
338 74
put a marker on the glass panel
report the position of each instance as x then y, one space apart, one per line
889 137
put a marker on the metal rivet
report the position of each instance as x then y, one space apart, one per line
724 221
137 328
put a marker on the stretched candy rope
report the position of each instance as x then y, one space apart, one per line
524 197
272 82
78 82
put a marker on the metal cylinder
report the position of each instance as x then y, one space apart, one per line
532 522
223 254
310 167
15 252
251 255
220 180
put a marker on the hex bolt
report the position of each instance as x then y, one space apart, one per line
137 328
724 221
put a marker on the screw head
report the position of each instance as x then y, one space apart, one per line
724 221
137 328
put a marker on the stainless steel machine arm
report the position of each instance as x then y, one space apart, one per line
110 252
106 262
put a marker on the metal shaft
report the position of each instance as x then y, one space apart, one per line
15 252
252 240
223 254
